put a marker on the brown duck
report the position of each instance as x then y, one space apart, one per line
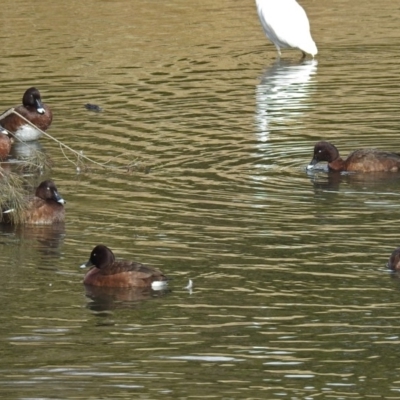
46 207
364 160
108 272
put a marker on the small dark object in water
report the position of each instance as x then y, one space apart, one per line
93 107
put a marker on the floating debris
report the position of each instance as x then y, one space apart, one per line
93 107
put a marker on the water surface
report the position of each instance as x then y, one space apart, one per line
211 136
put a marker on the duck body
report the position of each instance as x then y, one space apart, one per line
106 271
286 25
33 110
5 146
46 207
363 160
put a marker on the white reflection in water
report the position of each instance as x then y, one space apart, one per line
204 358
281 93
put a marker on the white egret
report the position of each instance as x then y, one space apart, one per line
286 25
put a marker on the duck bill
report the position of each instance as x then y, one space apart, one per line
312 164
86 264
39 107
3 131
59 199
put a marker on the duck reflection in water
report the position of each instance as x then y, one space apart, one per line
323 180
46 239
111 298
